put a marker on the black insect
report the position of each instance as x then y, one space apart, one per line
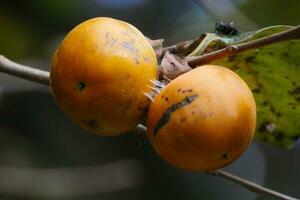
226 28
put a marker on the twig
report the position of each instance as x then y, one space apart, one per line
292 33
23 71
253 187
42 77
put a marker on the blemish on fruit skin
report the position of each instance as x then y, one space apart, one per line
81 86
167 114
142 107
167 99
113 41
182 119
184 91
147 59
128 46
92 123
225 156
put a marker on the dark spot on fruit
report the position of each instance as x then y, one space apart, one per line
113 41
225 156
137 61
167 114
162 96
92 123
193 112
250 59
182 119
184 91
279 136
81 86
128 46
179 90
106 34
167 99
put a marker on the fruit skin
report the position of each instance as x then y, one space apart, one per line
202 120
99 74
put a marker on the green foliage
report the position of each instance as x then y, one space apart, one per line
273 74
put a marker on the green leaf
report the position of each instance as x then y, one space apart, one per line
273 74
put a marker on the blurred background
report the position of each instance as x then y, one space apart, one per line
43 155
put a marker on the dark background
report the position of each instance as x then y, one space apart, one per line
43 155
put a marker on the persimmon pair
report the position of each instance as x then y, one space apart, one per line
202 120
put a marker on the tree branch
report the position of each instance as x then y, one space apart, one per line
23 71
42 77
253 187
292 33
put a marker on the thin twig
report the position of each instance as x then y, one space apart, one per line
42 77
292 33
23 71
253 187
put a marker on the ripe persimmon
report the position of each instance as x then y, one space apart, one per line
202 120
99 74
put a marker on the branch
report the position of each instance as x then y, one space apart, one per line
23 71
253 187
42 77
231 50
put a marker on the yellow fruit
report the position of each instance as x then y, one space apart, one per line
202 120
99 74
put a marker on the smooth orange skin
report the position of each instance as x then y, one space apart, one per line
210 132
115 62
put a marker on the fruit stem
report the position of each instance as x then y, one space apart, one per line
231 50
